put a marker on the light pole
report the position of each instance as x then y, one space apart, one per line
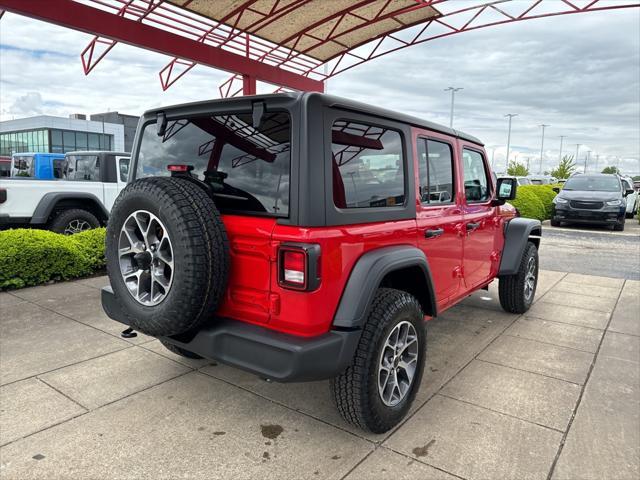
544 125
597 160
453 91
577 151
586 159
510 115
562 137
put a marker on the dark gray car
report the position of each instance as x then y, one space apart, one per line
591 198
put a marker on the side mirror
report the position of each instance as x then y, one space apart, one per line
556 189
629 191
506 189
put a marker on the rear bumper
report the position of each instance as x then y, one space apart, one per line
264 352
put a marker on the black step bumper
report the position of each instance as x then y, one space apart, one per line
267 353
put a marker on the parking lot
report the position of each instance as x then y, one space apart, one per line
551 394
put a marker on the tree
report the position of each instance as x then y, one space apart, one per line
636 178
517 170
610 169
565 169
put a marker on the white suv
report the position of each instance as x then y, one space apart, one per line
632 198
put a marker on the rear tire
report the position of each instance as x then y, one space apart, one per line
517 291
180 351
73 221
166 291
360 392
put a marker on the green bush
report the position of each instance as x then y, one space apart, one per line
30 257
546 195
528 202
93 245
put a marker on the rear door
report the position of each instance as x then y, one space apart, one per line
438 211
480 219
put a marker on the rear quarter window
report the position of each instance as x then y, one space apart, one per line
367 166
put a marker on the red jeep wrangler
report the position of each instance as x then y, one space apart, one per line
305 237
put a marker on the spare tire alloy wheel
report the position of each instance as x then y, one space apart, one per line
167 255
146 257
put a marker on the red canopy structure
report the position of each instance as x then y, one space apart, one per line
292 44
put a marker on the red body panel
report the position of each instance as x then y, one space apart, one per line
460 261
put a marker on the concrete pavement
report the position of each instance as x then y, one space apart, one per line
553 394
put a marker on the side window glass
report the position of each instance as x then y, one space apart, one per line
83 168
59 167
367 165
476 183
436 172
626 185
123 168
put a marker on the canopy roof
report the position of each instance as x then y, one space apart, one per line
293 44
321 30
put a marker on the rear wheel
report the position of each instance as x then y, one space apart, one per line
180 351
167 255
377 389
517 291
72 221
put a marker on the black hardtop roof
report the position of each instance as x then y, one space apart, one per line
98 152
331 101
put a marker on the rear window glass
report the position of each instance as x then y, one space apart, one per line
367 165
248 167
23 166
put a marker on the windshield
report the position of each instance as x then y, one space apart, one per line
599 184
23 166
247 167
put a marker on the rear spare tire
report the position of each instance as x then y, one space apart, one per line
167 255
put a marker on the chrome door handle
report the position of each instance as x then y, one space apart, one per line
433 233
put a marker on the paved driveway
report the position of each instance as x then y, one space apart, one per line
552 394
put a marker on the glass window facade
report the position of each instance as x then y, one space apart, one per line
48 140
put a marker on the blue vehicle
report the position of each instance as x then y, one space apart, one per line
43 166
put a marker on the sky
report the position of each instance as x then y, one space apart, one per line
578 73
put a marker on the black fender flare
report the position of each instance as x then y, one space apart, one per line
366 276
49 201
517 233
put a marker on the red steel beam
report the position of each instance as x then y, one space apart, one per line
70 14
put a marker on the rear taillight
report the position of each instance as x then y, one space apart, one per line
298 266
